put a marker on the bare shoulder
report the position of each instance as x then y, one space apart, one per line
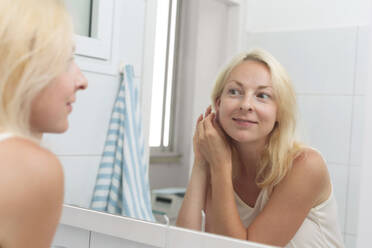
28 167
311 163
310 171
31 178
18 154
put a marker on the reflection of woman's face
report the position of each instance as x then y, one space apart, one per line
50 109
247 108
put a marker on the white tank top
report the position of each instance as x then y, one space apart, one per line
319 229
4 136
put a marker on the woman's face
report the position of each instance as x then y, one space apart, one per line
50 109
246 109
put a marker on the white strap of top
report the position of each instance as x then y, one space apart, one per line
4 136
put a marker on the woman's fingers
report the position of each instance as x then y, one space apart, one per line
208 121
200 128
199 119
208 111
217 126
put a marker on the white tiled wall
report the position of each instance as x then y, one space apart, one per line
80 148
329 70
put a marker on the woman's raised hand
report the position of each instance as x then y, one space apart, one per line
197 155
212 143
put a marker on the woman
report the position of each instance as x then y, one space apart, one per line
38 83
250 175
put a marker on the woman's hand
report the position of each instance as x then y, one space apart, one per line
198 157
212 143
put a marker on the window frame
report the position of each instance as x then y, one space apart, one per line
95 53
170 153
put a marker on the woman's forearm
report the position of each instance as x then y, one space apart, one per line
224 213
190 215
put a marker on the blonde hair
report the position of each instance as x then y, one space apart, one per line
35 46
282 147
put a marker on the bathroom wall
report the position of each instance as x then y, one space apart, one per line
323 45
80 148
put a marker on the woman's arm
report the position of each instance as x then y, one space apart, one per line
222 213
189 215
31 191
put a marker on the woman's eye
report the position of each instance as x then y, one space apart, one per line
234 92
263 95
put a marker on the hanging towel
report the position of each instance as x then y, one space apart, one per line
122 185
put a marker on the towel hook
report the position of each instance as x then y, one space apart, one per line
121 67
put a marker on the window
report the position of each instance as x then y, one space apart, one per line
81 12
165 54
93 22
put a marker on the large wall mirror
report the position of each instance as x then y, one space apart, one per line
323 47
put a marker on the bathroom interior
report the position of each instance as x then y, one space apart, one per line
175 49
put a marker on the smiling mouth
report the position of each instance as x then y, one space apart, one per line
244 121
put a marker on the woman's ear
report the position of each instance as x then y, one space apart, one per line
217 104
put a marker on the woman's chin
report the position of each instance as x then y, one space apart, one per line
241 138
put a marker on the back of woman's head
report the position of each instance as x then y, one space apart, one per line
282 146
36 42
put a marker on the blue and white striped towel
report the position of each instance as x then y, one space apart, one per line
122 185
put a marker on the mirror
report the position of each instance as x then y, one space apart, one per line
322 46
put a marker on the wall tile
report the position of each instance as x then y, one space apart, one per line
318 61
80 178
339 177
353 194
362 66
358 128
132 33
326 124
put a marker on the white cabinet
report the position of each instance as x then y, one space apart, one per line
99 240
71 237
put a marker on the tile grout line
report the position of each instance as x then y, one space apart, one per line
351 131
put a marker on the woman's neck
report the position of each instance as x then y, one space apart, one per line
36 134
249 155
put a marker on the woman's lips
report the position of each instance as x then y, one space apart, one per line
69 107
244 122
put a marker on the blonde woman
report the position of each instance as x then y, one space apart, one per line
38 84
252 178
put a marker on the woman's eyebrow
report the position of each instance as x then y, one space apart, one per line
237 82
241 84
264 86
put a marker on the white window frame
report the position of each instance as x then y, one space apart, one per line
156 155
95 53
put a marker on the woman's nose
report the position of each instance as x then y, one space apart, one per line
81 80
246 104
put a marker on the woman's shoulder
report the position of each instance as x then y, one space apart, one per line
29 173
308 154
31 179
308 178
28 162
15 150
309 162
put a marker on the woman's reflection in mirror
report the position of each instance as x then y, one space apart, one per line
38 84
251 175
